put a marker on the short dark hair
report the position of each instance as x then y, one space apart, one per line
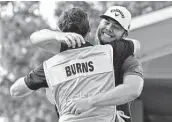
74 20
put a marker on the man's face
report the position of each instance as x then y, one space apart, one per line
109 30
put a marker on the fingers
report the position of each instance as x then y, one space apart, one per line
75 111
67 41
73 39
69 105
78 41
72 108
81 39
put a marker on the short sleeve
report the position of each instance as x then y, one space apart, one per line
130 46
36 78
132 66
136 45
121 50
123 46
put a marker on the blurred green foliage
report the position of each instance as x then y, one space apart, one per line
19 56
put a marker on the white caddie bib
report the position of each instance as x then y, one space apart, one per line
80 73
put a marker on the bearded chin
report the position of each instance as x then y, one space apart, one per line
102 42
99 37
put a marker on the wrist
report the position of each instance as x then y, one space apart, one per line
59 37
56 36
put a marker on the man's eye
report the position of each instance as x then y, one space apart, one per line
116 27
106 22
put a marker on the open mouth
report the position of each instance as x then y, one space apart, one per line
107 35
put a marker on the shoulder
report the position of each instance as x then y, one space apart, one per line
118 45
133 66
132 63
122 49
124 44
136 44
132 60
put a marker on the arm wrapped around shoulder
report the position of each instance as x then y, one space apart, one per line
133 75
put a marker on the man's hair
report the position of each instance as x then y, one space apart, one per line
74 20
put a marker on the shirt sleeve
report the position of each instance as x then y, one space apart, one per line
136 45
130 46
123 46
132 66
36 78
121 50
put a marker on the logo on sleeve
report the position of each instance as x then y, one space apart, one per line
79 68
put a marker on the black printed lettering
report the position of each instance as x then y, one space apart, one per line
91 67
84 67
78 67
68 72
73 68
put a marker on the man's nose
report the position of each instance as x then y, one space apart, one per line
109 27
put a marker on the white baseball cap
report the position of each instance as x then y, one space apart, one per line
120 14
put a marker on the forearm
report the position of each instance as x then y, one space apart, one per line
116 96
121 94
48 40
19 88
43 36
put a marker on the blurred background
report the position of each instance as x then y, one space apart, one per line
151 25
